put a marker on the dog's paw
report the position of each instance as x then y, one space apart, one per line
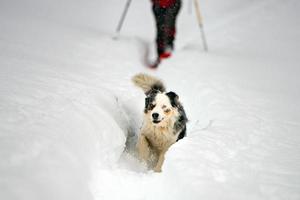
157 169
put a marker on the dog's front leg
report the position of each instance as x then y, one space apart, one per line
143 148
161 158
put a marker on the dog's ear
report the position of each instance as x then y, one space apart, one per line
173 98
149 99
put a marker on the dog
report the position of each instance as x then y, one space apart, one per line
164 121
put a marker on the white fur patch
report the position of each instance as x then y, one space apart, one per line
162 104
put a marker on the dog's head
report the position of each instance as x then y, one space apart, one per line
160 107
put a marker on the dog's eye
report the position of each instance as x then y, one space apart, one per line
167 110
151 106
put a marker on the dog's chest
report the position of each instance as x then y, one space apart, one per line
161 138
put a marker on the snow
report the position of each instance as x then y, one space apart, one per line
67 104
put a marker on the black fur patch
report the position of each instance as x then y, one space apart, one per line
159 87
173 98
149 100
180 124
182 134
156 87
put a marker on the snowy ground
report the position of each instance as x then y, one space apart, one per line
67 103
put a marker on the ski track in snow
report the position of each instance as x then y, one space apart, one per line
67 104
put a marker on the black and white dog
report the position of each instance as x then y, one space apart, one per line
164 121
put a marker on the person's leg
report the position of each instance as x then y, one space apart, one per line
159 14
170 23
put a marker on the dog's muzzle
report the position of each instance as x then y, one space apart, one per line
155 117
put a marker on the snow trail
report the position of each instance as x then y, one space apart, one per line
67 103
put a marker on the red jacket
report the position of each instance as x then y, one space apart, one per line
164 3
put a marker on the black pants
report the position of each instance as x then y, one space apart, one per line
165 25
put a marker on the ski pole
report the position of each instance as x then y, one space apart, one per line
199 18
121 21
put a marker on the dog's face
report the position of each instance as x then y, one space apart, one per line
160 107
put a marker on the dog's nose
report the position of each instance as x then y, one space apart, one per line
155 115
